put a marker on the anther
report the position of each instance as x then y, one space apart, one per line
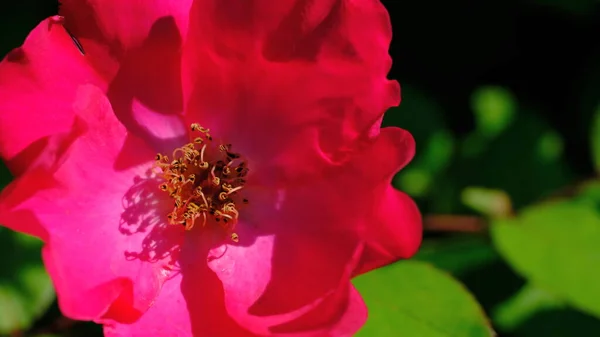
198 178
202 153
193 207
234 189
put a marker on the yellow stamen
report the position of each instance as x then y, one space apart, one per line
202 182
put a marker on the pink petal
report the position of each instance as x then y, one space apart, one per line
393 229
122 25
138 51
295 280
394 233
300 244
354 317
37 87
351 319
131 52
107 250
315 69
189 309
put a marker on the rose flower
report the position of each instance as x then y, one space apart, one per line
208 168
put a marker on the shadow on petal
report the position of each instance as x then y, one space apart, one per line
297 38
202 289
144 213
304 270
146 93
180 252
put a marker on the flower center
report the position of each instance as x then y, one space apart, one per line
204 180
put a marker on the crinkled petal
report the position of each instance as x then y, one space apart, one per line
290 271
184 310
288 283
195 301
393 229
131 52
315 69
354 317
351 316
138 51
120 25
107 250
38 82
387 220
300 244
395 232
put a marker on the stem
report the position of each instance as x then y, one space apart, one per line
454 223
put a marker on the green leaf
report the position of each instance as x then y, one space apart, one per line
589 193
555 246
524 305
534 312
413 298
25 288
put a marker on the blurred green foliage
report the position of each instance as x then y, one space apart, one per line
494 108
503 99
555 246
25 289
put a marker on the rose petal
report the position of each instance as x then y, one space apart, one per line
137 49
350 321
121 25
191 308
300 244
394 233
37 87
131 53
272 280
301 65
354 317
146 91
393 229
107 250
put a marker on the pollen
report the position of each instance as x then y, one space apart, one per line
205 180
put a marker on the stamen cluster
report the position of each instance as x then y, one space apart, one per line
204 181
